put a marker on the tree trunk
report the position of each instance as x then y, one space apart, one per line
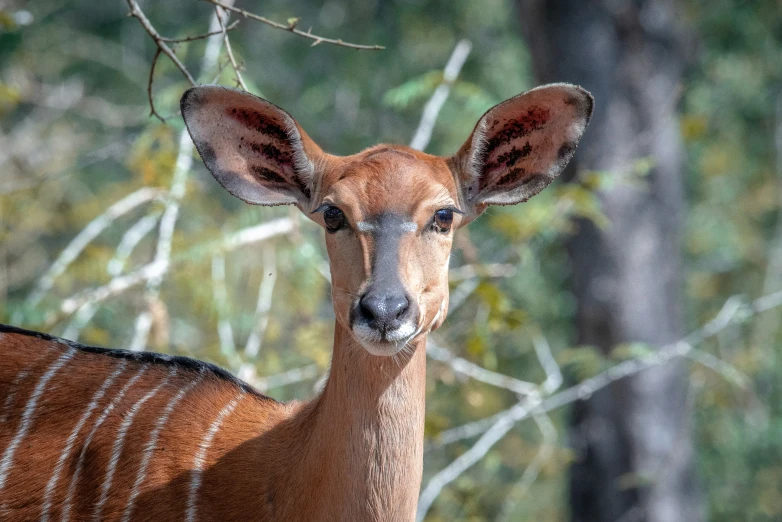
632 440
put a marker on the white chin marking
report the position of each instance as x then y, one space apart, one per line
395 340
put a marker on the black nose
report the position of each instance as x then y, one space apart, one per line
383 311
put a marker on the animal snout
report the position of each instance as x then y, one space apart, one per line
384 311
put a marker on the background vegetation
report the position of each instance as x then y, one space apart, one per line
76 138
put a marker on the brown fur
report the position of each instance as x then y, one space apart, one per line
356 451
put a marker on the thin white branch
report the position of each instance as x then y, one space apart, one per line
553 373
113 287
257 233
155 269
141 329
264 304
472 370
488 270
184 162
83 316
224 330
285 378
463 462
221 14
544 453
496 426
728 371
461 293
423 134
464 431
130 239
85 237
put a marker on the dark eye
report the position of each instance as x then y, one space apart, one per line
334 219
443 219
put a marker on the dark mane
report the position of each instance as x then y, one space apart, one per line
185 363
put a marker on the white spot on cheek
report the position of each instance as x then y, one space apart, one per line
363 226
409 226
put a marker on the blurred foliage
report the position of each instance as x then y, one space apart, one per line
76 137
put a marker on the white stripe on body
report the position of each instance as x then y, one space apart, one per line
66 510
47 498
200 458
119 443
27 417
149 448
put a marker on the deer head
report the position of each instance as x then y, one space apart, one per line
389 212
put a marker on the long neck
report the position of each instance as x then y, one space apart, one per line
366 438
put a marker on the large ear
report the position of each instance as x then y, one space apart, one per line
519 146
253 148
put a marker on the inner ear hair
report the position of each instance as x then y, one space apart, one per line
254 149
521 145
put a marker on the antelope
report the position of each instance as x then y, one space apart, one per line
90 434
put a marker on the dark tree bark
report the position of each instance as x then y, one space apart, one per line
632 440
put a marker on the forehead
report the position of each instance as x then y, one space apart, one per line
390 179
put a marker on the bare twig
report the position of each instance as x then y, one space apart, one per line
463 462
186 39
81 318
85 237
517 492
184 161
488 270
546 358
220 13
224 330
158 268
465 367
150 98
292 28
495 427
283 379
423 134
138 14
264 304
127 244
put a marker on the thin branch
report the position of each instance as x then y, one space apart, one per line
472 370
138 14
461 293
130 239
264 304
546 358
141 328
156 269
150 98
83 316
546 449
423 134
185 39
496 426
487 270
184 162
220 13
463 462
224 329
85 237
285 378
292 28
728 371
